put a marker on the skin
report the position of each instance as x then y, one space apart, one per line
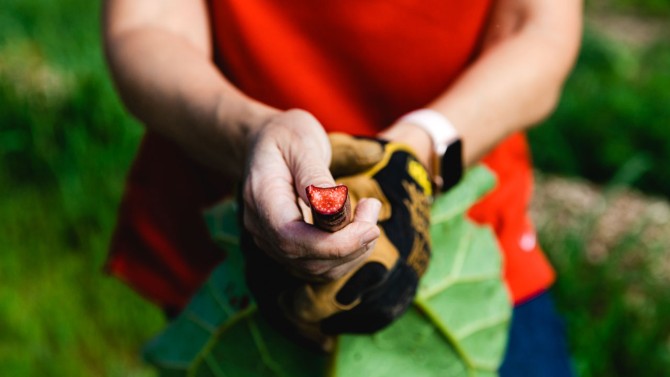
175 90
528 51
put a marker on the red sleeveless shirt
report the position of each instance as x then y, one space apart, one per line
357 66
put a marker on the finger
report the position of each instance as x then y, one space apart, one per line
306 151
269 202
329 256
323 271
269 188
310 172
340 270
368 210
279 229
366 278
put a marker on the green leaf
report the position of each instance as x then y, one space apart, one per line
456 327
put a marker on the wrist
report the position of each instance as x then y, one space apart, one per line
255 117
245 121
446 155
238 121
413 136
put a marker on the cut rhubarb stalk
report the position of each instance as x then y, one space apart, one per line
331 208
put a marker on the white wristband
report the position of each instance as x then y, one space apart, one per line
441 130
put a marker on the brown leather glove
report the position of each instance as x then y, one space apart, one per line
381 289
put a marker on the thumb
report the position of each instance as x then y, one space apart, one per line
308 160
312 173
351 155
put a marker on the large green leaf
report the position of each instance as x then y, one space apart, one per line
456 327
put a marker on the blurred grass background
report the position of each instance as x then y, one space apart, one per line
66 145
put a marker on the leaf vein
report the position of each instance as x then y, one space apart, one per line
200 322
486 323
207 349
263 350
217 298
444 330
214 366
462 252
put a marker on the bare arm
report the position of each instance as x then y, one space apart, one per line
159 55
528 51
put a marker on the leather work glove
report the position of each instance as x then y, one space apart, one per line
373 295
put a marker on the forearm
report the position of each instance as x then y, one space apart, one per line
515 83
171 85
516 80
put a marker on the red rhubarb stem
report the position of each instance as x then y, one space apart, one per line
331 207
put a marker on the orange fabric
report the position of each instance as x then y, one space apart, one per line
525 269
357 66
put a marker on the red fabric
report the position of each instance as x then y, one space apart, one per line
357 66
161 246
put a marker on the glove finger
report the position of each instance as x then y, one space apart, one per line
351 155
315 302
366 278
373 273
379 307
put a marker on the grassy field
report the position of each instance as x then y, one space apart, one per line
610 247
614 111
66 145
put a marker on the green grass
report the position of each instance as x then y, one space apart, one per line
616 306
612 128
614 110
59 316
66 145
643 7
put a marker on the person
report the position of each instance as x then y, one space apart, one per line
243 93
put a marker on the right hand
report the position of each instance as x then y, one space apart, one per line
370 297
290 152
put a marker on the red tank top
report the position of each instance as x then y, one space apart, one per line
357 66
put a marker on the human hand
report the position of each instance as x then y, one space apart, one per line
370 297
289 153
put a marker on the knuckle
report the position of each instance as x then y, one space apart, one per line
312 268
299 113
